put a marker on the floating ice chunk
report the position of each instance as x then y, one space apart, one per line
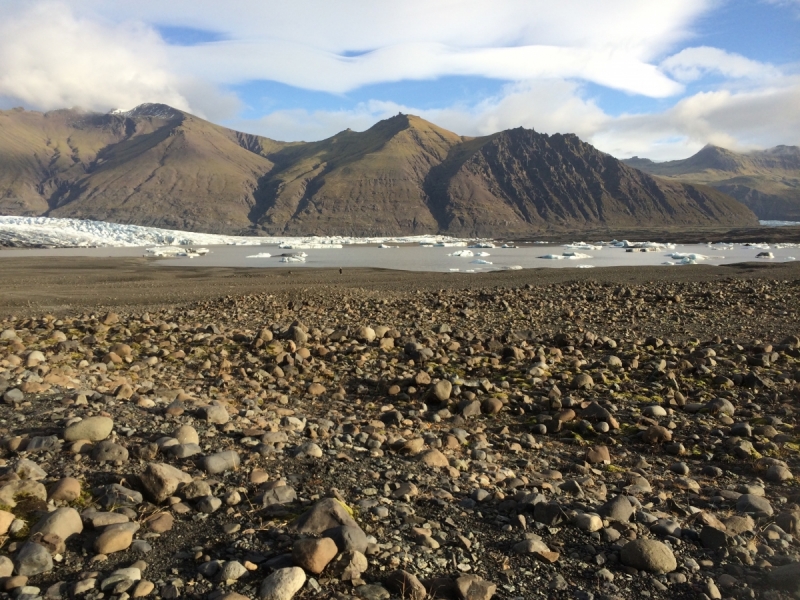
387 246
293 259
508 245
462 253
309 246
790 258
479 261
450 244
455 269
513 268
779 223
765 255
482 254
260 255
689 257
586 266
483 245
567 256
582 246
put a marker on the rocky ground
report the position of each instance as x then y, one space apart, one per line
600 436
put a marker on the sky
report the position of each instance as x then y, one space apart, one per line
651 79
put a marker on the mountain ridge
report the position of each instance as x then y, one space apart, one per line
766 181
158 166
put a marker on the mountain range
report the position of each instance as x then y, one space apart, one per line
158 166
767 181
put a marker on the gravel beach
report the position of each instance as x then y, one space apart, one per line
278 434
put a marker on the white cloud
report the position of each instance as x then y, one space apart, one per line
739 120
50 59
103 55
304 43
690 64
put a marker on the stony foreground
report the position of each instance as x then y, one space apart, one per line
576 441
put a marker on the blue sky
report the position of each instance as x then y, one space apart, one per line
634 78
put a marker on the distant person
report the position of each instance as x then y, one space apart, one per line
340 270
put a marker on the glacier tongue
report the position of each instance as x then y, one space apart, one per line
78 233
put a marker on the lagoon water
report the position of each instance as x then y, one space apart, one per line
410 257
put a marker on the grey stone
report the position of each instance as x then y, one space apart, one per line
94 429
618 508
648 555
283 584
348 538
161 480
63 522
282 494
220 462
326 514
108 451
749 503
33 559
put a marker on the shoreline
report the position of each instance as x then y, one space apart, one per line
60 285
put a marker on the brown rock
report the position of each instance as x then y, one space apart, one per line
472 587
66 489
314 554
406 585
598 455
161 522
656 434
434 458
114 540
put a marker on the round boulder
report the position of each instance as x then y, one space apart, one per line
649 555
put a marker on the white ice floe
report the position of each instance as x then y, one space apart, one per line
484 254
582 246
641 245
309 246
462 253
260 255
683 256
387 246
293 259
450 244
480 261
175 251
508 245
765 255
567 256
586 266
513 268
483 245
779 223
